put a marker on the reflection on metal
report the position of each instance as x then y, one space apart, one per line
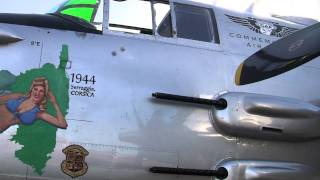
75 164
220 173
267 170
7 37
281 56
268 117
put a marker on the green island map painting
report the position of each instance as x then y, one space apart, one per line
39 139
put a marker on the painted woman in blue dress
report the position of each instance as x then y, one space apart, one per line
18 108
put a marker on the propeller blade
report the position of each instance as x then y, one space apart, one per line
280 56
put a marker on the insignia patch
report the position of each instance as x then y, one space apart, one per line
263 27
75 164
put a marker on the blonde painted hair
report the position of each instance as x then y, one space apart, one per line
41 81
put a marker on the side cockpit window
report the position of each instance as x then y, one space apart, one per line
137 16
163 22
195 23
164 19
165 28
132 16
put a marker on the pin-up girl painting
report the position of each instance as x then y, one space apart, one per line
24 109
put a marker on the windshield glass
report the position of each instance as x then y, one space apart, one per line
90 11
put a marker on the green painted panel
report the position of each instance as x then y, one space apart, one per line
80 12
77 2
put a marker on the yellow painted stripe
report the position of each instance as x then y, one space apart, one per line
238 74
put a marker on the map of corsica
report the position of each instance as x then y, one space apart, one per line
39 139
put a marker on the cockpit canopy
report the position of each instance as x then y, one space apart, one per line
90 11
155 17
162 18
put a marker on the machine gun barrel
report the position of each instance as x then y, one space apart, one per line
221 103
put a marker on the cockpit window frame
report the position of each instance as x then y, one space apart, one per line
215 46
215 33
